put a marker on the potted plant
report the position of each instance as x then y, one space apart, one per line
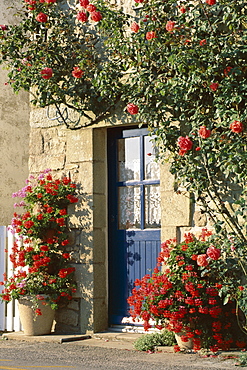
196 295
42 275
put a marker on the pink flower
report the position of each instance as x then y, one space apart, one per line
210 2
77 72
236 126
91 8
203 132
135 27
132 108
96 16
3 27
170 26
202 260
41 17
214 86
84 3
46 73
184 144
151 35
213 253
82 17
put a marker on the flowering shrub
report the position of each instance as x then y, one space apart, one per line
40 259
53 53
195 293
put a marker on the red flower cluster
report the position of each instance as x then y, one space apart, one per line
90 9
44 238
184 299
184 144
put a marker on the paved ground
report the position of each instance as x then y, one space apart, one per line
111 351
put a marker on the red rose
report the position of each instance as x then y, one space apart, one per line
210 2
84 3
46 73
204 132
236 126
135 27
203 42
214 86
50 1
91 8
202 260
41 17
28 224
96 16
3 27
227 70
184 143
82 17
170 26
151 35
182 9
213 253
132 108
77 72
139 1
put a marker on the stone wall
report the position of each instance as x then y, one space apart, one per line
14 131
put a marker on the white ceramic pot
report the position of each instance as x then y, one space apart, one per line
35 324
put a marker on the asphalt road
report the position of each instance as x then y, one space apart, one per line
21 355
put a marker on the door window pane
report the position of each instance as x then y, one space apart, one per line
129 207
152 206
129 159
151 168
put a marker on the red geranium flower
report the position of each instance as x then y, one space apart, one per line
214 86
96 16
82 17
77 72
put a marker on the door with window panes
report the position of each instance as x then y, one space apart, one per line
134 214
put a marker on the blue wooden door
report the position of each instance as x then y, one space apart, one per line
134 214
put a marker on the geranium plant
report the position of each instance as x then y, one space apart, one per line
195 293
40 257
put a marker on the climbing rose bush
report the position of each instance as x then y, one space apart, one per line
40 255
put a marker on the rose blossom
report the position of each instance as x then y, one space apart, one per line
82 17
202 260
204 132
132 108
41 17
135 27
213 252
84 3
91 8
170 26
46 73
214 86
151 35
182 9
210 2
77 72
96 16
236 126
3 27
185 143
203 42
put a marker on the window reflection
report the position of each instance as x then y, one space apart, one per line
129 159
129 207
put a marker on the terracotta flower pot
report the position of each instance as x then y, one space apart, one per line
35 324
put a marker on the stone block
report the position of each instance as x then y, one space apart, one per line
200 219
99 211
169 232
99 248
99 144
99 280
68 317
38 163
80 145
100 315
99 177
166 178
83 177
175 209
36 143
